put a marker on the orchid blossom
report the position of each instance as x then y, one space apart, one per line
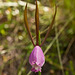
37 58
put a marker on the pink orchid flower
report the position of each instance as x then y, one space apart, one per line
37 59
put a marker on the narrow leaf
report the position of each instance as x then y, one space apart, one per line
50 27
26 24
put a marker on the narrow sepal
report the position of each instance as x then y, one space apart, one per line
26 24
50 27
37 23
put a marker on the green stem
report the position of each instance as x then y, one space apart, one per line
39 39
39 73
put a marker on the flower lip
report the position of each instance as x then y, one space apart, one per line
36 68
37 59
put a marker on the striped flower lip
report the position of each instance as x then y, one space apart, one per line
36 59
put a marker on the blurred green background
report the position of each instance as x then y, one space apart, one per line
16 46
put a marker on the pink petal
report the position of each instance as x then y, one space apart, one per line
37 57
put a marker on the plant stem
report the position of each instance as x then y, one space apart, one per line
39 73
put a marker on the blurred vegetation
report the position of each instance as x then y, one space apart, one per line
15 44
